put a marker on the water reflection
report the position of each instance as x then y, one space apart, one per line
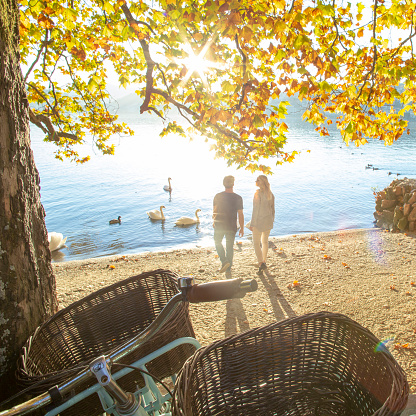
57 255
326 188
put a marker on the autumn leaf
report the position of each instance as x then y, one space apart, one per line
254 56
399 346
79 53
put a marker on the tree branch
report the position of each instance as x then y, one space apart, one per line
246 84
373 66
45 124
44 43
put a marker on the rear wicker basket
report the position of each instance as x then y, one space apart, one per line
319 364
97 324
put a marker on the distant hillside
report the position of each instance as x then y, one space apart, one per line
130 103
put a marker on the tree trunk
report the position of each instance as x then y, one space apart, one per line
27 283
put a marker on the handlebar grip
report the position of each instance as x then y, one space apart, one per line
221 290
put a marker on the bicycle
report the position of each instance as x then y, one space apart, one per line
319 364
154 397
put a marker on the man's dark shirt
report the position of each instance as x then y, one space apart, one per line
226 205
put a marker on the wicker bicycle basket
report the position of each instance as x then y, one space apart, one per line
97 324
320 364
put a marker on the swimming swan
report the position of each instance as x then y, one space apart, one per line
187 220
168 187
156 214
117 221
56 241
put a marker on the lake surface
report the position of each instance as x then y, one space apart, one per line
326 189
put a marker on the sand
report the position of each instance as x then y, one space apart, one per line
367 274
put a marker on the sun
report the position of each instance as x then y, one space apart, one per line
196 63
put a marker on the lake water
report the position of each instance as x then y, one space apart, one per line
326 189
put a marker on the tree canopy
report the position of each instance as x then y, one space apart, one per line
224 65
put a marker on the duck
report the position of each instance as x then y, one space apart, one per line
188 220
117 221
156 214
168 187
56 241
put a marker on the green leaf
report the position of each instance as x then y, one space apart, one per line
257 121
108 7
350 128
300 41
92 85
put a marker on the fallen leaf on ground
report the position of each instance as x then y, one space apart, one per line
399 346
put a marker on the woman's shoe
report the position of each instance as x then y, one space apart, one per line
263 266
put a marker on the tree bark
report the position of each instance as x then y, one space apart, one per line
27 283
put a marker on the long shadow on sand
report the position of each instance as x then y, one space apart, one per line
281 307
236 318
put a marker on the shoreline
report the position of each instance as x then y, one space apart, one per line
197 246
367 274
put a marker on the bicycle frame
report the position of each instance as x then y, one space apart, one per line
149 400
149 397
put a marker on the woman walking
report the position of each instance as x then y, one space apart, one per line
262 220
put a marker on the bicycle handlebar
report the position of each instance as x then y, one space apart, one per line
205 292
220 290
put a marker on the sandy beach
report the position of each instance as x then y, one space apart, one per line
367 274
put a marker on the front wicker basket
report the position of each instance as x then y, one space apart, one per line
319 364
97 324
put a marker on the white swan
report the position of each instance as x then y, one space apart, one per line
168 187
156 214
56 241
117 221
187 220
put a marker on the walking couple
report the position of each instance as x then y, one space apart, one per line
228 209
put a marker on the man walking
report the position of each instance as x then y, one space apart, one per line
227 207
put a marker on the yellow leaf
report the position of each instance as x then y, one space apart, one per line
247 33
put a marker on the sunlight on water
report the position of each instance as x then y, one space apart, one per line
325 189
